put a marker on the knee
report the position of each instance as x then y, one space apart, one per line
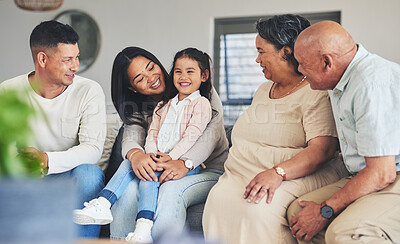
169 188
342 231
90 175
293 209
332 232
126 164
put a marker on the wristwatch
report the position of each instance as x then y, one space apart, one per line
189 164
280 172
326 211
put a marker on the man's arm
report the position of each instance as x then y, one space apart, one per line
91 135
377 175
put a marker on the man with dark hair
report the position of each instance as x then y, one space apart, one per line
69 133
364 92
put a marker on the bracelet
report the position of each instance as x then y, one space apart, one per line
130 155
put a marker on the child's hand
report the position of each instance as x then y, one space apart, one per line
160 157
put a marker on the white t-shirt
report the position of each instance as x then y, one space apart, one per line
71 127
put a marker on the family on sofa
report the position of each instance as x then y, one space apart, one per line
314 158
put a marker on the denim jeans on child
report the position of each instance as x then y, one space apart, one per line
148 190
174 197
148 195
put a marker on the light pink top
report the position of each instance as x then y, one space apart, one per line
196 116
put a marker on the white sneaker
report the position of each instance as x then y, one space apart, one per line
137 238
95 212
142 232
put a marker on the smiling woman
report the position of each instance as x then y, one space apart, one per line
147 77
139 82
278 144
89 35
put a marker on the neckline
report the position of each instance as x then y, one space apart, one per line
67 89
295 92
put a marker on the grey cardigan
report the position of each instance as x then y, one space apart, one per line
210 149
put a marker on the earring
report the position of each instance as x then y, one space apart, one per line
134 91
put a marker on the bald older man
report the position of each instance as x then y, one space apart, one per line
365 95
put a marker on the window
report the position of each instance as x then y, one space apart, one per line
236 73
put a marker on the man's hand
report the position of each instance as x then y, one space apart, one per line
308 222
33 156
33 153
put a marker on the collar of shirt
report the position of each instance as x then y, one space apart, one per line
175 102
341 85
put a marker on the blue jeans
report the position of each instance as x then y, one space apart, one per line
148 195
118 182
173 199
148 190
89 179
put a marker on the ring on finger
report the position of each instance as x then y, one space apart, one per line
265 188
172 173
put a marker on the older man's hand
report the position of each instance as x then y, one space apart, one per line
308 222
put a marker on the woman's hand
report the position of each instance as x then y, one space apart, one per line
173 170
142 164
264 183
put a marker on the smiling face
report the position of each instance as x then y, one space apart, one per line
62 63
187 76
146 77
271 60
312 66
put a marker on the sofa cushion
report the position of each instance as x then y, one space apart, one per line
113 125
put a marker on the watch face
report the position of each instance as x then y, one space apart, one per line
326 212
189 164
280 171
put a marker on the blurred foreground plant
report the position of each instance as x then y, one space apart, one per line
15 133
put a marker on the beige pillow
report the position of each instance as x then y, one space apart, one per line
113 125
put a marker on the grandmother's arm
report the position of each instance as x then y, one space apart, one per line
322 144
319 150
321 137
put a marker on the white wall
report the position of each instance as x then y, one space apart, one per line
166 26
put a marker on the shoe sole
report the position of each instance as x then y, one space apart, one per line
87 220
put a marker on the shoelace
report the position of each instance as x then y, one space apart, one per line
93 204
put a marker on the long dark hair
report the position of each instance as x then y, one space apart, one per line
125 101
281 31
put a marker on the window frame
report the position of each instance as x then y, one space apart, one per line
242 25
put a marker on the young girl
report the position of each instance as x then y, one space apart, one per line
177 124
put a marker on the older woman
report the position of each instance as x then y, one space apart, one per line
284 145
